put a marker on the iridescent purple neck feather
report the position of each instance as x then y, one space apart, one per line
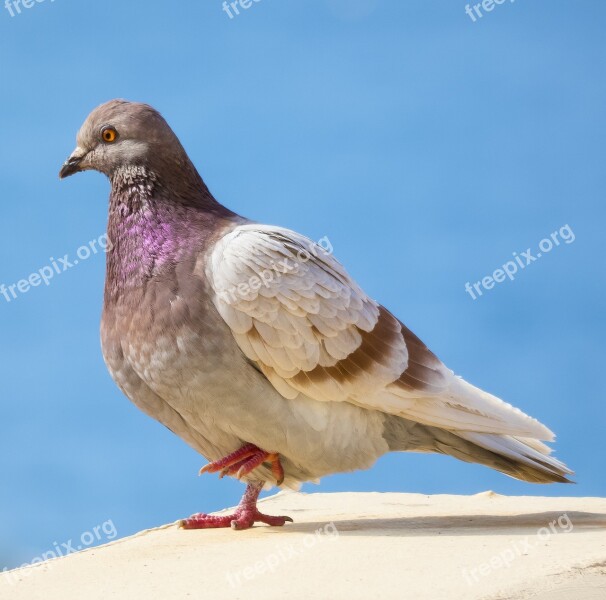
158 215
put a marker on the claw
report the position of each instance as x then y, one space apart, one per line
277 469
205 468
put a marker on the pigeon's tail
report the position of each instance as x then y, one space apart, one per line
522 458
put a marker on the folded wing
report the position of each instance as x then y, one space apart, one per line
312 331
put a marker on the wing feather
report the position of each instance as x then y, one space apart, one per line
313 332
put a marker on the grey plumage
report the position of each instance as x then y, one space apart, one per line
307 366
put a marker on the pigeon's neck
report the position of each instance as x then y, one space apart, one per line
151 229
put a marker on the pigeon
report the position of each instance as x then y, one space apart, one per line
253 344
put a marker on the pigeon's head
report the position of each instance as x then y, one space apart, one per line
121 134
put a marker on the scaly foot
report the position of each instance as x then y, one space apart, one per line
245 515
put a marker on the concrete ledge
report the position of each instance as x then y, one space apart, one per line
348 546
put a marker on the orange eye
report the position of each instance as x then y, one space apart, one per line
109 135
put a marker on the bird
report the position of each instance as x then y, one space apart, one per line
253 344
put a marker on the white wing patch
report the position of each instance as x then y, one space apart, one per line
297 314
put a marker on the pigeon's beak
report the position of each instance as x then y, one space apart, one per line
73 164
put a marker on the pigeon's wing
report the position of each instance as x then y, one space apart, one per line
312 331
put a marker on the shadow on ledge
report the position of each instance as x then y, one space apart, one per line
563 522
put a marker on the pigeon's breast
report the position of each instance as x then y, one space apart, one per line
167 340
168 331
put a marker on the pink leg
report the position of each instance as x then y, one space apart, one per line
245 515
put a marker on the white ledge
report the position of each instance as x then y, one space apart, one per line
347 546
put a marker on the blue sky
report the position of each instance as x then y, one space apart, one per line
428 148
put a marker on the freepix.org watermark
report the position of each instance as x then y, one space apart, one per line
520 261
282 554
56 266
517 548
232 9
105 531
477 11
245 290
14 6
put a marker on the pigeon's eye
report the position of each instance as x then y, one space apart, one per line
109 134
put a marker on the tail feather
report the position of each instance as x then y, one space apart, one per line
527 459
